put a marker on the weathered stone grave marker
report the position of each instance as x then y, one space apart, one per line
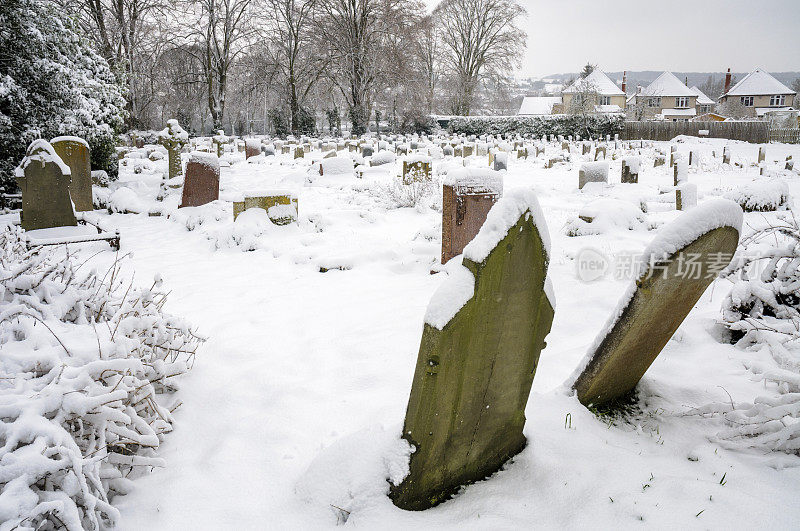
173 137
74 152
467 196
592 172
416 168
201 183
44 180
685 196
483 333
281 205
676 268
630 170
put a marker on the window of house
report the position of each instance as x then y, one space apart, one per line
682 102
605 100
779 100
747 101
654 102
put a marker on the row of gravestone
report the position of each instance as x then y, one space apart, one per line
486 327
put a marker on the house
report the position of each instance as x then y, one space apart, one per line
668 98
704 104
538 105
759 93
609 98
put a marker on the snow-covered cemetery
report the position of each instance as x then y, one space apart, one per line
303 264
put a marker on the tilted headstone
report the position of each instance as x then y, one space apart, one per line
74 152
630 170
592 172
467 196
44 180
173 137
500 161
484 330
674 271
201 183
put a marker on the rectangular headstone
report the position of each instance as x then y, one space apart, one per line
201 183
74 152
44 180
467 196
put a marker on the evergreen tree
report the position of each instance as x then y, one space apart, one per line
52 83
587 69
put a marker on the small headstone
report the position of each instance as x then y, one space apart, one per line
201 183
252 147
366 151
762 154
522 153
675 270
600 149
592 172
789 163
483 333
299 152
630 169
416 168
680 170
587 148
500 161
447 150
74 152
281 205
44 181
467 196
726 155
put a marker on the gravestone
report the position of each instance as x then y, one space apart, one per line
598 150
762 154
477 358
676 268
299 152
592 172
447 150
416 168
281 205
630 170
44 181
587 148
173 137
500 161
659 161
789 163
366 151
680 170
522 153
467 196
74 152
252 147
726 155
201 184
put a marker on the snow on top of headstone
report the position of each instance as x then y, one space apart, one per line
706 217
206 159
476 180
337 165
265 192
452 295
173 131
503 215
633 163
77 139
417 157
253 142
595 170
41 151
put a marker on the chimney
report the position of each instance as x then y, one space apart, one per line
624 80
727 82
686 81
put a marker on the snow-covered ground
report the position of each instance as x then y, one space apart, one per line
292 412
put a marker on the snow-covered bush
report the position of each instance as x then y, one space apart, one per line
763 313
87 363
536 126
761 195
604 215
416 193
52 83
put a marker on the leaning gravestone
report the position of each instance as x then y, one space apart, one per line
675 270
467 196
74 152
201 184
44 180
630 170
173 137
484 330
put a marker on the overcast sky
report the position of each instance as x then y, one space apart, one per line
676 35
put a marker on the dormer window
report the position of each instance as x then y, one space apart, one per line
605 100
778 100
747 101
682 102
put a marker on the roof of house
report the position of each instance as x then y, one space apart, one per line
607 109
667 85
534 105
761 111
702 99
759 83
599 81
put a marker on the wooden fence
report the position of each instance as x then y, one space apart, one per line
788 136
754 132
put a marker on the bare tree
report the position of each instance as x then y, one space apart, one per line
222 30
479 36
292 34
360 36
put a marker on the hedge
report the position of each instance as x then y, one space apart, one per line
587 126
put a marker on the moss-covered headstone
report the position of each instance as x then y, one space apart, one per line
484 331
74 152
675 270
44 180
173 137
